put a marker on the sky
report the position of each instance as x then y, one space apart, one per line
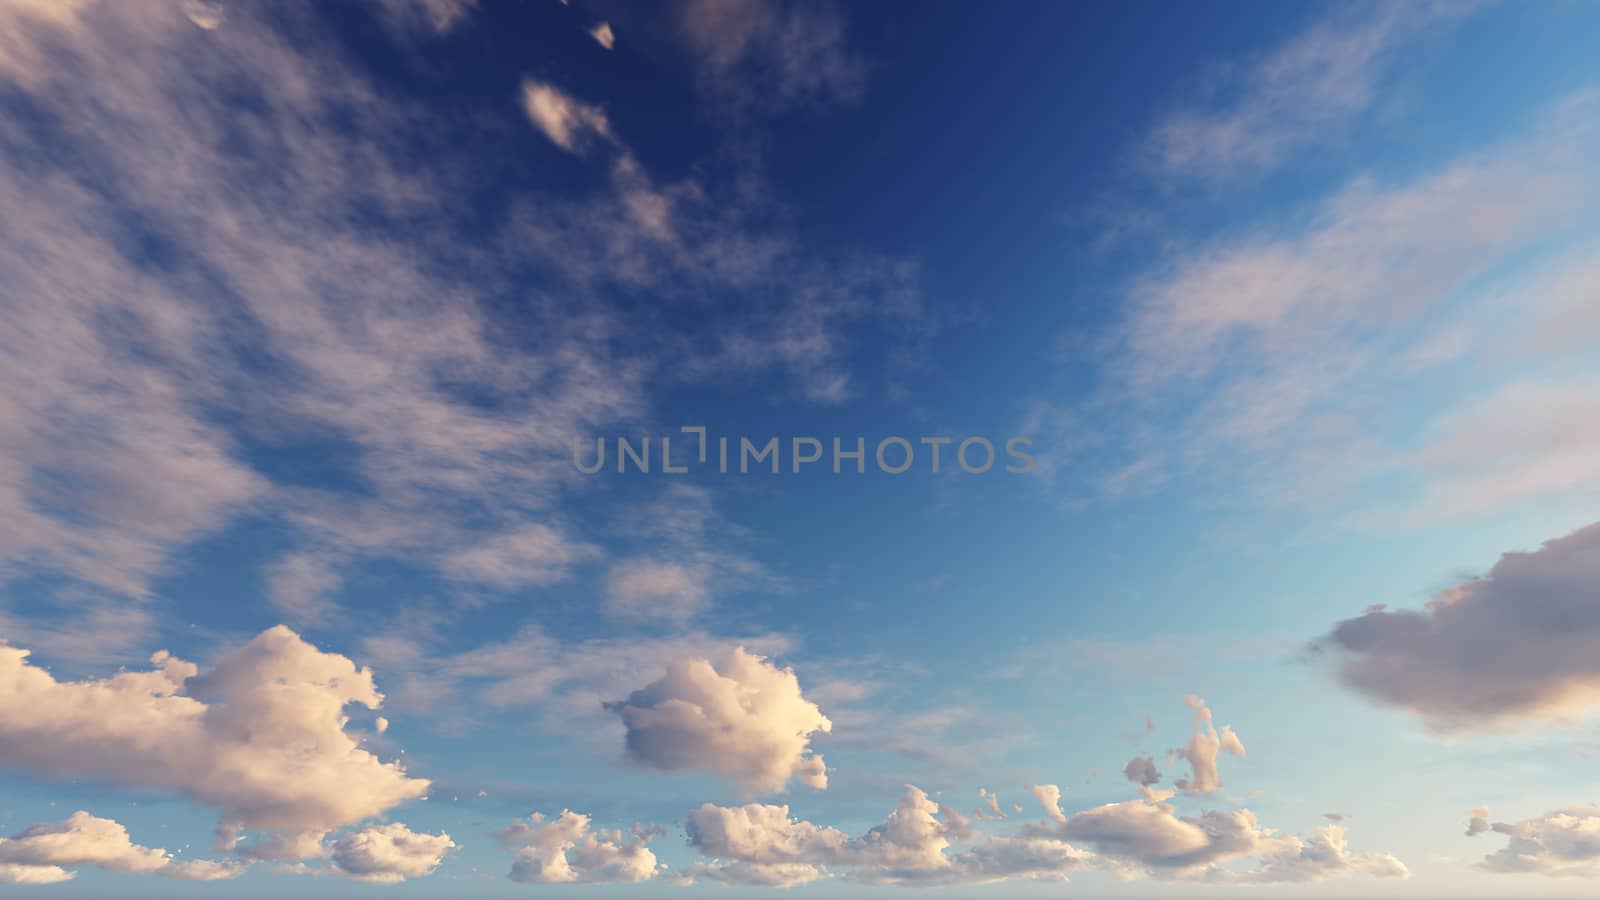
735 448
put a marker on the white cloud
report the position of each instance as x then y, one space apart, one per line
642 589
742 718
1564 842
389 854
531 555
1295 95
603 35
762 845
565 851
569 124
1049 796
260 736
41 853
1288 347
1202 750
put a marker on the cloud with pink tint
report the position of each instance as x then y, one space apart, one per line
742 718
41 854
564 850
259 737
388 854
1202 750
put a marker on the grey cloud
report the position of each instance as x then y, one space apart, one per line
1522 641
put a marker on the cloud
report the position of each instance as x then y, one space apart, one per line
1294 96
259 737
743 718
1049 796
1202 750
288 316
564 851
603 35
277 318
655 590
569 124
39 854
389 854
761 844
1522 641
764 56
532 555
1141 770
1563 843
1148 836
1275 346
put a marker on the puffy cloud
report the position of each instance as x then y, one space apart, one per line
1148 836
1564 842
260 736
570 124
1141 770
762 833
1521 641
39 855
1049 796
389 854
1148 833
743 718
1202 750
564 851
990 811
762 844
1326 854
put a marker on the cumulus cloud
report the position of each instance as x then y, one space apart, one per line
1049 796
1148 836
761 844
1202 750
1522 641
743 718
565 851
388 854
1564 842
1141 770
41 854
259 737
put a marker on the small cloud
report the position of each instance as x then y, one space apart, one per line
603 35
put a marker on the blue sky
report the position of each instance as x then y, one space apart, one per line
1294 306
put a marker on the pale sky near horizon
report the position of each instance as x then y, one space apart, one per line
1258 346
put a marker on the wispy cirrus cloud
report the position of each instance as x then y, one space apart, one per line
273 276
1294 96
